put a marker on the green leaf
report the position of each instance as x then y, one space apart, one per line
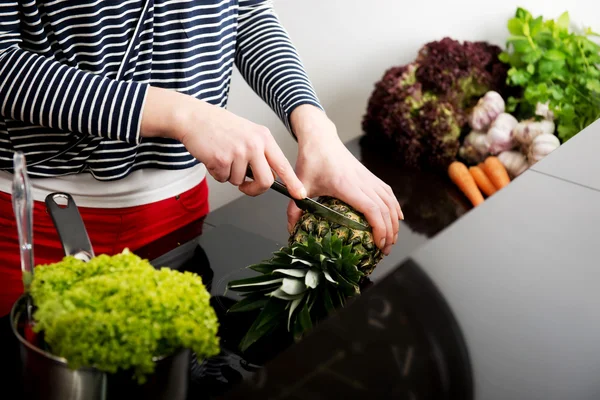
312 279
263 268
518 77
267 321
304 318
298 273
532 57
280 294
563 21
304 262
593 85
531 69
329 277
293 286
349 288
515 26
554 55
326 243
249 303
520 43
522 13
293 307
535 26
336 246
504 57
253 281
327 301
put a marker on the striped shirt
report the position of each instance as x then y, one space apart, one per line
80 69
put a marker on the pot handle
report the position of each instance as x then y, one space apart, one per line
70 227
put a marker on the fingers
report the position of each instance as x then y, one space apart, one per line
238 172
293 214
390 203
393 198
366 205
284 170
263 178
384 210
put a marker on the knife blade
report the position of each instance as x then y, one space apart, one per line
312 206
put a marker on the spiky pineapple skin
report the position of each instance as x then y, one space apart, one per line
362 242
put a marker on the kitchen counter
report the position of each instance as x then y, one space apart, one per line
495 302
510 288
249 229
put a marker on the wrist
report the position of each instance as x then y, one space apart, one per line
165 114
310 123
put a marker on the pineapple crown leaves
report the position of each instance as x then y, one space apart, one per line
300 284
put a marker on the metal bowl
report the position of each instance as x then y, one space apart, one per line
48 377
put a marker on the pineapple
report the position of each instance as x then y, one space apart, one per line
322 266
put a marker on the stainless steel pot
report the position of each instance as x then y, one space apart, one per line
48 377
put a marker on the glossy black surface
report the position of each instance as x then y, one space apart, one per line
398 340
249 229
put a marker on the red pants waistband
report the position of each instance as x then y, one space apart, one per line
110 231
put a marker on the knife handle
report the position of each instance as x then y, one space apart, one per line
277 186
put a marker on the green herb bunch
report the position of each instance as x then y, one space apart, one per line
554 67
120 313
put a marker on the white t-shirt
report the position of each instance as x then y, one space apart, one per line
138 188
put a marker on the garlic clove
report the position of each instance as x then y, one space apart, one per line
486 110
541 146
514 161
500 134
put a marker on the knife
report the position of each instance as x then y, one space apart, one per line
314 207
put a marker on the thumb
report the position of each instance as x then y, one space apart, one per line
293 214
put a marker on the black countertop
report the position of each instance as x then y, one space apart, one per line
495 302
249 229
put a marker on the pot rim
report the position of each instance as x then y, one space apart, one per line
61 360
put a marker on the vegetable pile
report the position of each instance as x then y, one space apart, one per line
120 313
557 70
420 108
472 102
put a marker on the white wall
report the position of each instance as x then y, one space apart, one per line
347 45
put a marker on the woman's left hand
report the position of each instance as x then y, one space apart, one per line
327 168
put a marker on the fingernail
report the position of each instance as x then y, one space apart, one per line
395 238
382 243
401 215
303 193
387 250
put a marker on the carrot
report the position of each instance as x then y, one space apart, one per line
459 174
482 180
496 171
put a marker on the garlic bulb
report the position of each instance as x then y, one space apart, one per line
500 134
543 110
541 146
475 147
486 110
527 130
514 161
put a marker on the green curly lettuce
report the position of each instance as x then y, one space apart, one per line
120 313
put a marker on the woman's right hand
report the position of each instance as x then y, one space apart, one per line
226 143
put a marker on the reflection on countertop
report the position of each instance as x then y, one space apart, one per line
248 230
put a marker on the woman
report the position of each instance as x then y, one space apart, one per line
141 88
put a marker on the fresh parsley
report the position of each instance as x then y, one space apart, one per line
556 67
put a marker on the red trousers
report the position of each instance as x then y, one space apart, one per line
110 231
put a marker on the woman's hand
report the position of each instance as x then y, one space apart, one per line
326 167
225 143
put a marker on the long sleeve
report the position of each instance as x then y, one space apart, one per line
269 62
39 90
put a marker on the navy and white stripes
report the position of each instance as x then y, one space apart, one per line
83 67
